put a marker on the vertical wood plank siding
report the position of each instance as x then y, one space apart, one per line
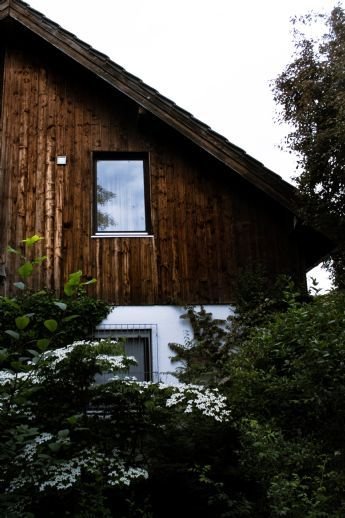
2 65
3 191
208 225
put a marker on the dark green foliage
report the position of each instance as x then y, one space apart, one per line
71 447
295 368
33 321
311 94
205 355
75 317
285 382
279 452
288 381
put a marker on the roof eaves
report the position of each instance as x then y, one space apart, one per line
4 9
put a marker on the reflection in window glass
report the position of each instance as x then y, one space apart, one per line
120 196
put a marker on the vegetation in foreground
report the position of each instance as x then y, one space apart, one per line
72 447
255 429
284 380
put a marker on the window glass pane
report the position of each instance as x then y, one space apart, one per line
139 347
120 196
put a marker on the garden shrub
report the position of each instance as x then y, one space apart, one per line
284 378
72 447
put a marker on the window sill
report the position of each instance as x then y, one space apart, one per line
122 234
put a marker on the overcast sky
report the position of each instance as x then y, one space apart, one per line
214 58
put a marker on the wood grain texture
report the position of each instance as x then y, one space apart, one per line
208 224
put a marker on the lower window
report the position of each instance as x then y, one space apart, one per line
137 343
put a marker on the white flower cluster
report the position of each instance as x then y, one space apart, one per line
90 343
8 377
115 362
30 449
58 355
109 361
64 474
44 437
115 470
208 401
120 475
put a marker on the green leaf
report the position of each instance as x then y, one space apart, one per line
73 283
13 334
10 302
12 250
73 419
33 352
51 325
54 446
17 366
25 270
61 305
74 278
62 434
4 354
43 343
19 285
22 322
39 260
91 281
30 241
70 317
69 290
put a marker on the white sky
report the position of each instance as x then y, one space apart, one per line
214 58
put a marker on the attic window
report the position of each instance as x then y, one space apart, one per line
121 194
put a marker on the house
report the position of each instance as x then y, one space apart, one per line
131 189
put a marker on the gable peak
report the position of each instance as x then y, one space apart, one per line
7 4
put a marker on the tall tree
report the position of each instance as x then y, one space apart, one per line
311 94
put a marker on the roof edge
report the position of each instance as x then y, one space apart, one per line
4 8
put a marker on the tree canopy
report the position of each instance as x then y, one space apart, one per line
311 94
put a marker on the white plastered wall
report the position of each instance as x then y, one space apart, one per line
166 327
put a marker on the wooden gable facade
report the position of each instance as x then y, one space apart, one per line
213 211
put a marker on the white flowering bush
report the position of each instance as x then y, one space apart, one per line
197 398
105 352
64 474
65 432
73 447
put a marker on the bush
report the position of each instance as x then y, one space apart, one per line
71 447
292 370
284 378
